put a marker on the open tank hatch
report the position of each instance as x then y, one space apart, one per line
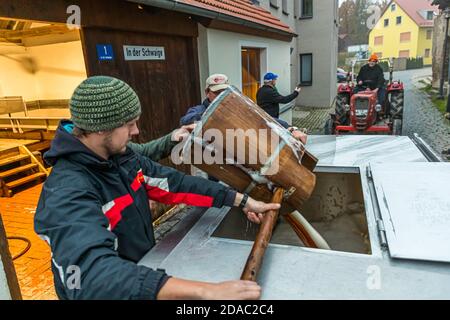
336 210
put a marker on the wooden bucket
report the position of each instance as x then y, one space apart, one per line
280 161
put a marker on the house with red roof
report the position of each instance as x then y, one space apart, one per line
405 30
296 39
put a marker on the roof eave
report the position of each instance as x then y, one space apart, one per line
194 10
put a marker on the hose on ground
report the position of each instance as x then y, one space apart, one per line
24 250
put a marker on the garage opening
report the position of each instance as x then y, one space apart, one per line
41 63
336 210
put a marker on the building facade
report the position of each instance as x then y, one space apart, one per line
405 30
314 51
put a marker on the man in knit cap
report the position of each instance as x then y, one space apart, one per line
94 207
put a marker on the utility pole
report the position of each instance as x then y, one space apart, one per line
441 86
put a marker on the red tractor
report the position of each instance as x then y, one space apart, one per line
359 113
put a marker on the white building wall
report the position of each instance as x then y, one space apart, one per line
41 72
220 52
291 20
317 35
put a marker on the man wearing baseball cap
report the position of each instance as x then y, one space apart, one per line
94 207
372 76
215 85
269 98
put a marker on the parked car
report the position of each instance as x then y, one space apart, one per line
341 75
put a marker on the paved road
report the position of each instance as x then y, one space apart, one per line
420 116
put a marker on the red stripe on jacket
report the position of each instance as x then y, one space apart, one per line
191 199
138 181
114 214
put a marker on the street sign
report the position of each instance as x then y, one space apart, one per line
136 53
105 52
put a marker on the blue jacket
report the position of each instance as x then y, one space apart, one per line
195 114
95 215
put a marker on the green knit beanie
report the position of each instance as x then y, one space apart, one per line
103 103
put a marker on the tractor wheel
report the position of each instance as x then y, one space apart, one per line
329 127
397 102
397 127
341 113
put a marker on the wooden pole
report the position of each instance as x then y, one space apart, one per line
5 258
256 256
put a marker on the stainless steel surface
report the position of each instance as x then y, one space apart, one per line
294 272
415 206
428 152
335 209
349 150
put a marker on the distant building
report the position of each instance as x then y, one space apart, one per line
405 30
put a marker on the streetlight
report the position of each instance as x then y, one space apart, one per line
441 87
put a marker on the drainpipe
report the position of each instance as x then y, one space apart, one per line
441 86
175 5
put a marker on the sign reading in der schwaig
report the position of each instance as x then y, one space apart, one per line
143 53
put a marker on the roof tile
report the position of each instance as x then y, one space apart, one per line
243 9
414 8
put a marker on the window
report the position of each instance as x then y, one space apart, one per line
306 8
393 7
427 53
405 37
403 54
386 22
379 41
399 20
274 4
306 69
430 15
429 34
284 6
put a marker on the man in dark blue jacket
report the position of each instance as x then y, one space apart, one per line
94 207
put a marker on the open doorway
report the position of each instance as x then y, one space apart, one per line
41 63
251 71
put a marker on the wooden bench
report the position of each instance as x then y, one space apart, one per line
39 114
8 107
